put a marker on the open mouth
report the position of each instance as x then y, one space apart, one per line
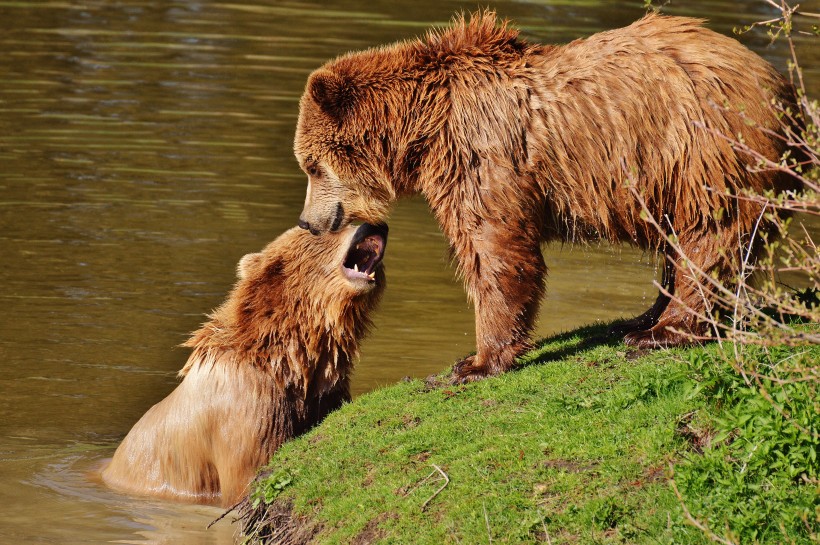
366 252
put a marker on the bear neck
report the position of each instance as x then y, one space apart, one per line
419 80
296 343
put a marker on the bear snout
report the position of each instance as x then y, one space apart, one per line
305 225
333 223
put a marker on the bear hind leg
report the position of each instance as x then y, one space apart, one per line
686 318
650 318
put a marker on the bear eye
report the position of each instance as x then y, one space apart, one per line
313 170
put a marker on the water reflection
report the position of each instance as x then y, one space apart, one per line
146 146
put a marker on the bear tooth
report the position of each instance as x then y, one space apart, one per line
356 267
372 275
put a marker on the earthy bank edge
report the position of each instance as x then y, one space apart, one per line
581 444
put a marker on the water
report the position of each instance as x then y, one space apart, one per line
145 147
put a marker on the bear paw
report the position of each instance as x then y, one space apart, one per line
621 329
467 370
657 337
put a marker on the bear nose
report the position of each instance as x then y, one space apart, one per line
303 224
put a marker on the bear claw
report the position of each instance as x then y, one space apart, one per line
657 337
467 371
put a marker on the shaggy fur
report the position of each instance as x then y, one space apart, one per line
513 144
270 363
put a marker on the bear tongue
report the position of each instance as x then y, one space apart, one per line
366 254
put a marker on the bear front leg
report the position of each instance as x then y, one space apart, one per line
504 274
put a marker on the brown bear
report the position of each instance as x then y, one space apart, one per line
513 144
270 363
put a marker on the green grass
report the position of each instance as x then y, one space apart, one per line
576 446
758 483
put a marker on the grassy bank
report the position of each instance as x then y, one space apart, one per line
577 446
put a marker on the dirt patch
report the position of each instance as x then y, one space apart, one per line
648 476
371 533
698 438
369 478
421 457
655 474
410 421
569 466
632 355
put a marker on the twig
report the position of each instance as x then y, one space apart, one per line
546 532
762 159
436 493
487 520
418 484
225 514
697 272
742 284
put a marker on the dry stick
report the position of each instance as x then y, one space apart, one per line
546 533
786 15
487 520
436 493
809 240
763 160
225 514
740 286
800 142
418 484
696 272
792 205
808 374
653 222
794 338
706 318
788 12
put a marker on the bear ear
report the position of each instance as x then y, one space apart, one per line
335 94
247 265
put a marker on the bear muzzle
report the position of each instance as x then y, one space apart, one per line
336 222
365 253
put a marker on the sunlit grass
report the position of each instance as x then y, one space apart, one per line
577 446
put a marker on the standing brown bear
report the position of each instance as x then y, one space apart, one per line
270 363
513 144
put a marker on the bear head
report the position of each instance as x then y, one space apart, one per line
352 117
373 124
300 297
325 275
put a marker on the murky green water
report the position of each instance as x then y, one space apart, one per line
144 148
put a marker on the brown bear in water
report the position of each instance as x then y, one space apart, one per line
270 363
513 144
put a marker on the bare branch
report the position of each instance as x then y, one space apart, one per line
436 493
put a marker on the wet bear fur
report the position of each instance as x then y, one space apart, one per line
270 363
514 144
